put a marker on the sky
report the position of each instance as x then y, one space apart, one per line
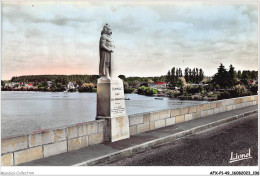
150 38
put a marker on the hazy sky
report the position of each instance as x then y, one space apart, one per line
150 38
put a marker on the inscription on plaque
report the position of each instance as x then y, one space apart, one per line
117 101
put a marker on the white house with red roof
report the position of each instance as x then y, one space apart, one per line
158 85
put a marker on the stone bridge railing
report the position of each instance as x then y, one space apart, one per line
25 148
21 149
143 122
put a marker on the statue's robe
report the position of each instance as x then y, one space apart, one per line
105 56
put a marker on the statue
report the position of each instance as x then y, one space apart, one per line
105 52
110 93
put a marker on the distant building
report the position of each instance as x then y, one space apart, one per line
29 85
49 83
252 82
200 84
8 85
71 85
12 84
88 84
158 85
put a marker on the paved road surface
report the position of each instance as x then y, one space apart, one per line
212 147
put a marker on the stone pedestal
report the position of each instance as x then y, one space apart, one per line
111 106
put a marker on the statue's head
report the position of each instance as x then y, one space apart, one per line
106 30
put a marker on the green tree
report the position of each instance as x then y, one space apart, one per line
186 74
197 76
190 76
143 90
126 85
180 72
179 83
246 72
2 83
245 77
254 75
172 79
221 77
177 73
193 75
53 87
122 77
201 75
134 84
232 76
239 74
159 78
43 86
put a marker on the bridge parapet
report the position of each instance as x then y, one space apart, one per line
20 149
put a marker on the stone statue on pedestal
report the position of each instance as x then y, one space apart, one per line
110 93
105 52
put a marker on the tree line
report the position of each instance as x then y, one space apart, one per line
194 75
63 79
228 78
224 79
132 79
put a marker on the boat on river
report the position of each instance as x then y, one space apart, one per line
158 98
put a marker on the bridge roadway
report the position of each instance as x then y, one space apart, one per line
212 147
109 152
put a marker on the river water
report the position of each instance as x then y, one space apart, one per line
25 112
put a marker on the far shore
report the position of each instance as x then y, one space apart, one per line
156 96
